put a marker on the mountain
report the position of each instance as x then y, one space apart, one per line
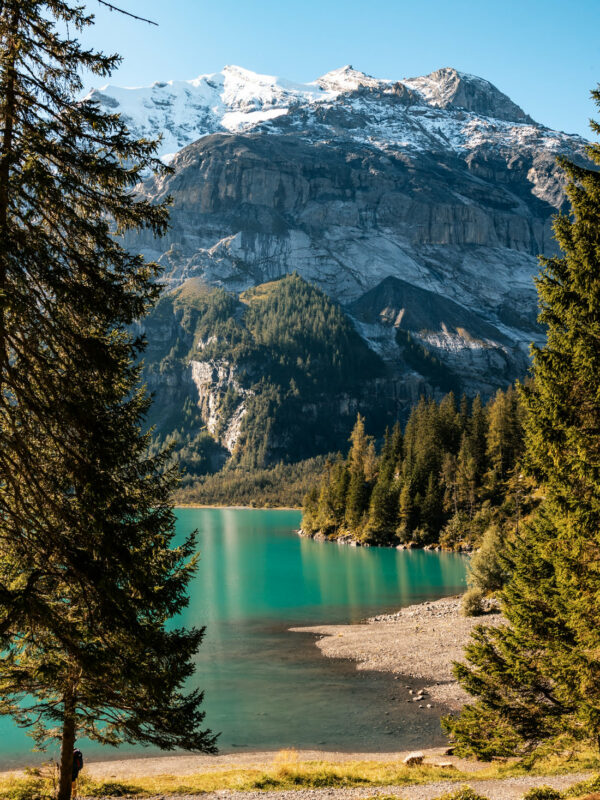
276 373
444 109
418 205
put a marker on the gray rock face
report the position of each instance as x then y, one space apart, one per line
448 88
212 380
440 183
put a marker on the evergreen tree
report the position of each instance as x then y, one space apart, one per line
487 569
88 577
477 434
449 424
448 477
431 513
405 513
466 477
357 499
464 412
396 446
504 435
535 680
381 520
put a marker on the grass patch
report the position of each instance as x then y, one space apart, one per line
585 788
288 772
291 775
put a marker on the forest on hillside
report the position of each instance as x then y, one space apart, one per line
298 373
278 486
447 478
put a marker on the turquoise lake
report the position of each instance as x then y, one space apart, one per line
269 688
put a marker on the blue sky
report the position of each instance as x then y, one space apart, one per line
545 54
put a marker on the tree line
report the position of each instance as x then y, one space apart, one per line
452 472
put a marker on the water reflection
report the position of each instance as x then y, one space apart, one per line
266 687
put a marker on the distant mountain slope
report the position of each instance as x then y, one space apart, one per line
276 374
398 303
426 112
419 205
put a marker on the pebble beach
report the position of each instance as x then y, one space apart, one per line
420 642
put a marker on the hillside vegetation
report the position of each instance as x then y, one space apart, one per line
282 485
297 373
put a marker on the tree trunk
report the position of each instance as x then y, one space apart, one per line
67 746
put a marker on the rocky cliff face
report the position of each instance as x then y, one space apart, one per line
213 381
421 204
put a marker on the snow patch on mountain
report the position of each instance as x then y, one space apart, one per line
444 110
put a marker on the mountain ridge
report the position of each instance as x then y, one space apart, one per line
352 183
235 100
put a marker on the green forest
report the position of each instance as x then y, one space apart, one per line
301 372
277 486
451 474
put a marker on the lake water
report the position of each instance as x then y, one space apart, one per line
269 688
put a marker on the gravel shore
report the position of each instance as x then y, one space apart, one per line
419 642
500 789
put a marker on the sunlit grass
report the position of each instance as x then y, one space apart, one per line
288 772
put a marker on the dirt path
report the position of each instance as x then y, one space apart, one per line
504 789
190 765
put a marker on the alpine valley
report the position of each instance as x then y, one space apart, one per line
336 247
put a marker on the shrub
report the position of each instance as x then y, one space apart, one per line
487 570
28 789
472 603
421 536
111 789
454 530
591 786
464 793
542 793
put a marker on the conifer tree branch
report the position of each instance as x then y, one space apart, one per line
127 13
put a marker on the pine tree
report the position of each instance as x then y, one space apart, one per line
449 481
381 520
535 680
357 498
464 412
504 436
431 513
405 513
88 576
477 434
466 477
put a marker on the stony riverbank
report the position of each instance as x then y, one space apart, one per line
352 541
419 642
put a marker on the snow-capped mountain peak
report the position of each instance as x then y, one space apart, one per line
347 79
445 109
447 87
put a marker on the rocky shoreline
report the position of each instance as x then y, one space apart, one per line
352 541
418 644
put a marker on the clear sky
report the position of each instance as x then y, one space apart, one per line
545 54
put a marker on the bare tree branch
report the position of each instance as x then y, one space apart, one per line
127 13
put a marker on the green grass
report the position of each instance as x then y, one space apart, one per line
288 772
